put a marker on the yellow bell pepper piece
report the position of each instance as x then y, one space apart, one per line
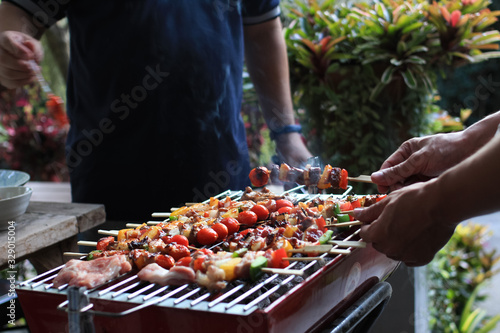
228 267
122 234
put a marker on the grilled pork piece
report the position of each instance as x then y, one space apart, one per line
176 275
92 273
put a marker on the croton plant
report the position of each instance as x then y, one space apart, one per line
364 73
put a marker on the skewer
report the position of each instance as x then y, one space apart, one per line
302 258
133 225
320 249
192 248
154 222
108 232
160 214
74 254
357 244
361 179
344 224
87 243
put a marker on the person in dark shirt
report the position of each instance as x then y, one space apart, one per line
154 94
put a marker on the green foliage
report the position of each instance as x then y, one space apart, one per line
365 75
456 275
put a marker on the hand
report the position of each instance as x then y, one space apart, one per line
16 49
404 226
420 159
291 149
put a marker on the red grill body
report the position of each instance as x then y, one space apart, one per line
309 305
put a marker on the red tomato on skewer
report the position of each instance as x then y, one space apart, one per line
247 217
221 231
206 236
261 211
232 225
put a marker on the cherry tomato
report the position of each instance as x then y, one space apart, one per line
184 261
198 264
283 203
206 236
221 230
244 232
284 210
247 217
179 239
103 243
232 224
259 176
261 211
165 261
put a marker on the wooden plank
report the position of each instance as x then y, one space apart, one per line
87 215
48 226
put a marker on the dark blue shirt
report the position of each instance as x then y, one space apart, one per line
154 94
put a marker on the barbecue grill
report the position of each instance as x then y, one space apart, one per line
276 303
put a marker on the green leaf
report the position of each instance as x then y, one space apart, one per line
412 27
490 325
387 75
401 48
409 79
376 91
415 60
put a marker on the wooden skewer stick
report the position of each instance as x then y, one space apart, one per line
87 243
312 249
283 271
108 232
159 214
74 254
344 224
192 248
302 258
361 179
154 222
357 244
133 225
348 212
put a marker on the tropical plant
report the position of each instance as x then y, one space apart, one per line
456 275
365 73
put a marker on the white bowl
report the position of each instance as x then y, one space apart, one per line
13 178
13 203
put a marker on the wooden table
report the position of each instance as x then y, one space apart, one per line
48 229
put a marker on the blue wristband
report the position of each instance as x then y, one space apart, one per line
285 129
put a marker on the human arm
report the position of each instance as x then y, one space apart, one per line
415 222
18 45
422 158
267 63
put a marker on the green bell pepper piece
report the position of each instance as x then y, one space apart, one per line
256 267
326 237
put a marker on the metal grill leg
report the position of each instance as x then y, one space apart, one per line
364 312
78 321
